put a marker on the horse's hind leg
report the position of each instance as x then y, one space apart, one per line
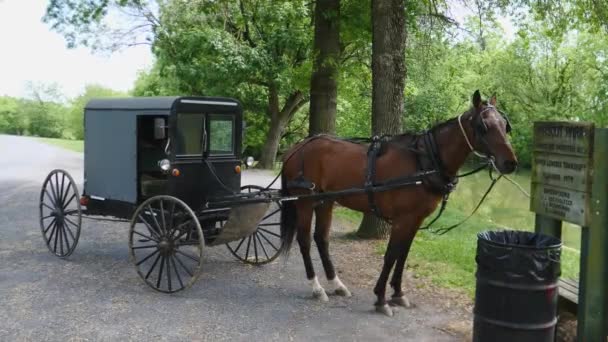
304 240
323 215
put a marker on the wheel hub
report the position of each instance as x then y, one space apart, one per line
165 246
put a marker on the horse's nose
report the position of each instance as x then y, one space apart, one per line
509 166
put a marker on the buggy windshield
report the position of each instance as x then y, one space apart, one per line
193 135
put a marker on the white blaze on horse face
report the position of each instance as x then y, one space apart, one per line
317 290
338 287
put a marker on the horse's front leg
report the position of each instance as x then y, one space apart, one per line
399 298
402 235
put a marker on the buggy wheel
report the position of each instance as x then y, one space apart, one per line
264 245
166 244
60 213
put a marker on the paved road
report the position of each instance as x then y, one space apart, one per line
97 295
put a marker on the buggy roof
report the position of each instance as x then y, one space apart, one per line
153 103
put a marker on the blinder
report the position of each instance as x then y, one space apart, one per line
482 128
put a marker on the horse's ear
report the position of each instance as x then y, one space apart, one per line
476 99
493 100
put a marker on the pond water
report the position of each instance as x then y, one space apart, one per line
506 205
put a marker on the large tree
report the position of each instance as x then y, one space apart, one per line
388 82
208 47
326 68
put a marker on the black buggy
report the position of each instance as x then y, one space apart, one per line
160 163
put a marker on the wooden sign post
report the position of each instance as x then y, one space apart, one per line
570 183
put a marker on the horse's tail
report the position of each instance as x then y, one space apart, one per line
288 218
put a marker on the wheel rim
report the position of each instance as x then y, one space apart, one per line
164 244
60 213
264 245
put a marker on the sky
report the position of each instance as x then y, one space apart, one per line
31 52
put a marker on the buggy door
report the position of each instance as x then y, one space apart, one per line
205 150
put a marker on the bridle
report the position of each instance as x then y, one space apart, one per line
482 130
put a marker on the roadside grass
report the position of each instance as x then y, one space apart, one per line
72 145
449 260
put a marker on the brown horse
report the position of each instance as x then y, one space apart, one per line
326 164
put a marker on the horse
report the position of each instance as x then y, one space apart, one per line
325 164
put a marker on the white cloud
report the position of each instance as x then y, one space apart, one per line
30 51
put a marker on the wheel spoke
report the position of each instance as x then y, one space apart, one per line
248 245
154 218
53 192
48 243
179 227
146 258
239 246
187 243
271 214
162 219
65 205
150 229
188 256
168 273
160 273
46 192
142 247
46 205
179 278
49 226
70 221
172 216
47 216
261 244
269 232
61 195
153 265
265 238
61 239
70 231
255 247
56 235
65 236
184 266
146 236
273 224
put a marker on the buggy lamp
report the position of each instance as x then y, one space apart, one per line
249 161
164 165
237 169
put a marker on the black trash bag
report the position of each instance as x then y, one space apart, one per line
516 290
517 257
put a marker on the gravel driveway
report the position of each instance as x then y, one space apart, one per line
96 293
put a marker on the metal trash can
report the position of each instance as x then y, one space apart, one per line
516 292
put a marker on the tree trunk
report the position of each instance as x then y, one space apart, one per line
323 83
278 123
388 83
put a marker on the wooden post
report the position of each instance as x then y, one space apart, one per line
594 250
548 226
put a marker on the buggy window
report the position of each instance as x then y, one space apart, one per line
221 134
190 128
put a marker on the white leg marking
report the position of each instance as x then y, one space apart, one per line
338 287
317 290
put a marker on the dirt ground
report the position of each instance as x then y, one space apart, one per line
358 264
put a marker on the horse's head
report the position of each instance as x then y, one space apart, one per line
490 129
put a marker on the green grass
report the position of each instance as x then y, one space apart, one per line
449 260
72 145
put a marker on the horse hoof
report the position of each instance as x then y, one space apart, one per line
320 295
342 291
384 309
401 301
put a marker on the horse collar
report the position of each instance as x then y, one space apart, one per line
440 182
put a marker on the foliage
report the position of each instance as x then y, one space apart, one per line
76 112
